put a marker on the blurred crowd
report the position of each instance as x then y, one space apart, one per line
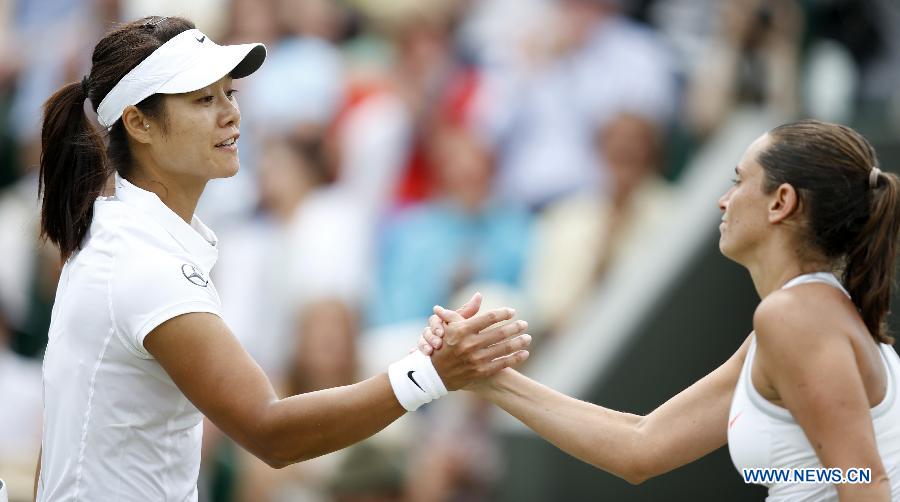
397 154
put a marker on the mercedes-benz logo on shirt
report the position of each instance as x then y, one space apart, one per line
194 275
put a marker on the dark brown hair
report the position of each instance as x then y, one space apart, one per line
853 215
75 159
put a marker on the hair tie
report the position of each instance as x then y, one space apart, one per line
873 177
85 86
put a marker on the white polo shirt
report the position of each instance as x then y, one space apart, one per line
116 428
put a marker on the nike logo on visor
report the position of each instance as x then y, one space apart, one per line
201 39
409 375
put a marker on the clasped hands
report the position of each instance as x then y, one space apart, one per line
467 347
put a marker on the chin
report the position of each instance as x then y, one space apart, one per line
227 171
730 252
724 249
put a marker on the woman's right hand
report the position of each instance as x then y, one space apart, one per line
479 347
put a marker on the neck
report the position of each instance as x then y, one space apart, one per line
180 194
771 270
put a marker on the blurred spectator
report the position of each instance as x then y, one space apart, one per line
368 473
308 247
392 108
20 419
18 242
855 48
542 108
209 15
52 61
11 62
753 61
579 237
292 279
883 72
429 251
29 269
459 454
325 354
301 83
251 21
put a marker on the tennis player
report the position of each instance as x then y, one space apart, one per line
816 383
137 348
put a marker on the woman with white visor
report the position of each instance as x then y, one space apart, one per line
137 349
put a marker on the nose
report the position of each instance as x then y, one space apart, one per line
231 114
723 200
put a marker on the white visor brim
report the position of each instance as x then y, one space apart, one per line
187 62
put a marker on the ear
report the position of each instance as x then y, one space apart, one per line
136 123
784 203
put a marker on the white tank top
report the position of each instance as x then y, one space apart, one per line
764 435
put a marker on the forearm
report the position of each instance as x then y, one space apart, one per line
308 425
604 438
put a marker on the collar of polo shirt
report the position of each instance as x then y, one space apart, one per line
197 239
187 62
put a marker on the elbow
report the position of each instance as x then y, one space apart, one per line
270 453
267 443
278 453
274 463
636 475
275 455
631 471
635 480
638 467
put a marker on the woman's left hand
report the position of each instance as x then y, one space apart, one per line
432 337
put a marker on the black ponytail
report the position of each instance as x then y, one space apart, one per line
73 169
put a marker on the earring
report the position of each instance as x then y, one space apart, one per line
146 126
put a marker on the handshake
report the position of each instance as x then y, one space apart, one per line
465 348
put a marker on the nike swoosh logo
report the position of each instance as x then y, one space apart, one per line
409 375
201 39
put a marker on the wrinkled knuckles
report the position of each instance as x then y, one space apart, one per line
451 337
514 328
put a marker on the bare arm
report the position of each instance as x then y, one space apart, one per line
804 353
208 364
685 428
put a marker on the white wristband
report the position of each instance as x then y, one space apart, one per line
415 381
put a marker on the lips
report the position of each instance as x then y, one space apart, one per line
229 141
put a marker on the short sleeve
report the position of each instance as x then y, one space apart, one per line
149 290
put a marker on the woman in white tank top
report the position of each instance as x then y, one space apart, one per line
815 385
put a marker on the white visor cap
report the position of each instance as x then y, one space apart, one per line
187 62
